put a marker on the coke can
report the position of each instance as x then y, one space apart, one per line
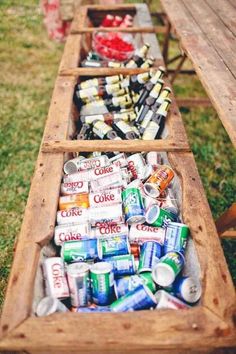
79 283
95 162
159 181
122 265
119 160
55 279
78 176
73 216
126 284
141 298
74 201
106 215
49 305
72 166
187 289
150 255
79 251
109 197
109 229
167 269
114 246
77 187
73 232
139 233
159 217
133 206
168 301
136 165
176 237
102 283
113 179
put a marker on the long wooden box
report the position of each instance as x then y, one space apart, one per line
201 329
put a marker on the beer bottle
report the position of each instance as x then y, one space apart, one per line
100 81
108 118
150 100
164 94
104 131
156 126
138 57
124 130
149 86
148 63
137 81
83 134
100 64
116 103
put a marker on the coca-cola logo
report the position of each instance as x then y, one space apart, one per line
57 275
111 223
110 229
103 170
102 198
90 164
142 227
70 236
132 169
78 184
71 212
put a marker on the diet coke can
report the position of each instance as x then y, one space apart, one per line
95 162
109 229
119 160
55 279
74 187
73 216
109 197
71 232
79 284
78 176
71 166
113 179
136 165
106 214
140 233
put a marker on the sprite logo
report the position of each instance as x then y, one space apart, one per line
131 199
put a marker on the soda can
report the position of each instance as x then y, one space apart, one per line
103 198
187 289
78 176
74 201
106 215
136 165
122 265
95 162
133 206
99 172
102 283
119 160
114 246
136 183
167 269
154 158
49 305
168 301
150 255
74 187
149 201
176 236
140 298
159 217
113 179
158 181
93 309
109 229
79 283
55 278
72 166
135 250
139 233
71 232
126 284
79 251
73 216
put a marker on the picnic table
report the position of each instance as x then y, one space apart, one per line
206 30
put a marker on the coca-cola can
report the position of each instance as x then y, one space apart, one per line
113 179
139 233
71 232
149 201
106 214
78 176
73 216
79 284
168 301
55 279
136 165
104 229
99 172
74 187
95 162
72 166
154 158
119 160
109 197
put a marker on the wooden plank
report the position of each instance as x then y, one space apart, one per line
220 37
165 330
101 71
226 11
112 145
220 88
227 220
193 102
231 234
156 29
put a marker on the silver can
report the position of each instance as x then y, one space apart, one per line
79 284
49 305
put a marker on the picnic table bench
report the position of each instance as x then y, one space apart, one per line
206 30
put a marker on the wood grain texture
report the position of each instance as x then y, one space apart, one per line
227 220
136 332
215 76
156 29
101 71
224 10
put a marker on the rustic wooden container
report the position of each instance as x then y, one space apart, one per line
205 328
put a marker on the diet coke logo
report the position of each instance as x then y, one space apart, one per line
142 227
57 275
74 184
63 237
71 212
102 198
103 170
110 229
132 169
85 165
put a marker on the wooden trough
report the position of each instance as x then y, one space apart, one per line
204 328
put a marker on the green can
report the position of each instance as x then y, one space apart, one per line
157 216
126 284
133 206
166 270
102 283
79 251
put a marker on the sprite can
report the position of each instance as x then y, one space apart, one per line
159 217
122 265
176 236
126 284
167 269
79 251
150 255
102 283
113 246
133 206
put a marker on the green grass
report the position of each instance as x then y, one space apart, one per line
29 63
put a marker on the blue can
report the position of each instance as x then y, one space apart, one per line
94 309
79 251
176 236
122 265
133 206
149 256
113 246
187 289
126 284
141 298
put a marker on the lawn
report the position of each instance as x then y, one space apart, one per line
29 63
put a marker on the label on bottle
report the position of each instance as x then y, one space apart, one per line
91 64
112 79
124 127
112 88
89 92
92 118
131 64
147 119
113 64
142 78
164 94
89 83
156 90
101 129
163 109
151 131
